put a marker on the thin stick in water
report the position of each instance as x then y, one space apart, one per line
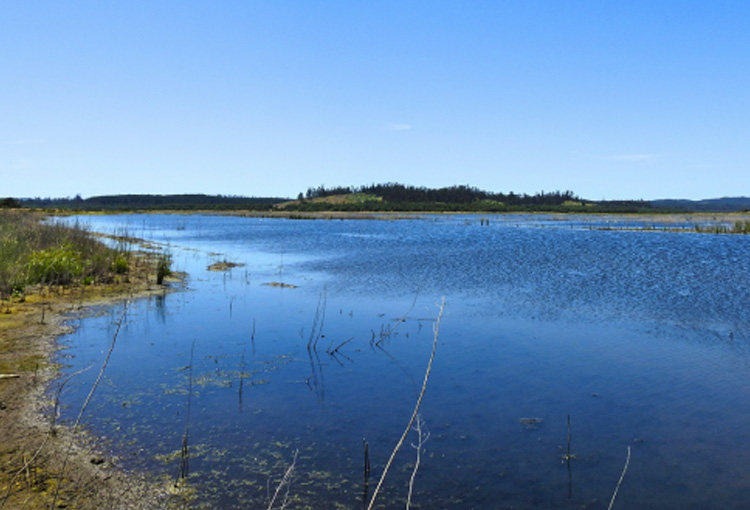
422 438
366 486
619 482
184 452
286 481
61 474
414 414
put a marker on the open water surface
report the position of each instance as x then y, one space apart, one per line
640 338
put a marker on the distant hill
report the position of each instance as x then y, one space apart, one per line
395 197
386 197
726 204
154 202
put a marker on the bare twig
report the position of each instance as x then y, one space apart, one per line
242 378
422 438
252 337
60 476
568 457
184 452
315 380
334 351
318 320
416 410
366 473
286 481
622 476
386 333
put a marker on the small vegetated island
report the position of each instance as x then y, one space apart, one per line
394 197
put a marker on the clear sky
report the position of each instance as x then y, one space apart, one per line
609 99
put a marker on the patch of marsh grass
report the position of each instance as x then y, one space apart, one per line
34 252
738 227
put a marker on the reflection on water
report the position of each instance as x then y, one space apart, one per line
641 338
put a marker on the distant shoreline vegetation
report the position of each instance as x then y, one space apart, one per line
388 197
394 197
117 203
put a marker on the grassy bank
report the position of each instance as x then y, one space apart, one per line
37 253
47 273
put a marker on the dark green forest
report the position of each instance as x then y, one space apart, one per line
461 198
154 202
387 197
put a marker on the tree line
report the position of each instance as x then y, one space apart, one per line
461 194
373 197
136 202
399 197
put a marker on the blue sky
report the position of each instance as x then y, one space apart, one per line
609 99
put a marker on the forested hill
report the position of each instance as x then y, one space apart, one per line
400 197
726 204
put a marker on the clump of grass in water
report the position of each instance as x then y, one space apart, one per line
163 267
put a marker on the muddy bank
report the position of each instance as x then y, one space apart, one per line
44 464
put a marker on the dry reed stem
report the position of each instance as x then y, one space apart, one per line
416 409
622 476
285 481
184 452
387 333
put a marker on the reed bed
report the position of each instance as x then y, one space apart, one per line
738 227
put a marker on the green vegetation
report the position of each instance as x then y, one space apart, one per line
163 267
738 227
115 203
388 197
33 252
9 203
60 265
394 197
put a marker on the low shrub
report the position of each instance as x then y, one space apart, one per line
121 264
61 265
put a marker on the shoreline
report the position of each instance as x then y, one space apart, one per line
405 215
36 453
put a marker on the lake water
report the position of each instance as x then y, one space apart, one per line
640 338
